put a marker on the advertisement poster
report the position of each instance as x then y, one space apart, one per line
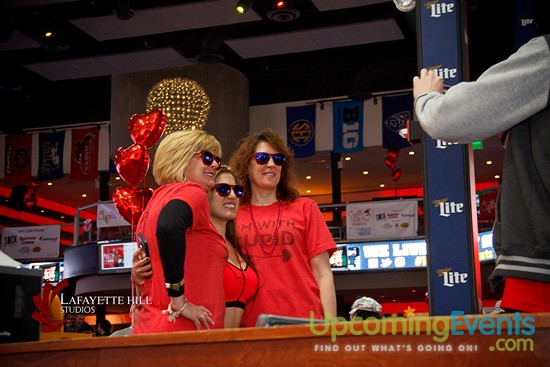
31 242
382 219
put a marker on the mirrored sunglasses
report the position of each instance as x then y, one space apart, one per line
224 190
263 158
209 158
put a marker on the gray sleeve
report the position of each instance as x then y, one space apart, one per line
503 96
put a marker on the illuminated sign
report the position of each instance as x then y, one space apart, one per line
405 254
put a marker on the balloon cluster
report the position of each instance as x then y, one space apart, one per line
132 164
391 161
30 194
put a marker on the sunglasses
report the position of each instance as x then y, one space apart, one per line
263 158
209 158
224 189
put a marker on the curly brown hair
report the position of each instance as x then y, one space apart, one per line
241 158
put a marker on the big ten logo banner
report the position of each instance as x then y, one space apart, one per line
348 127
300 122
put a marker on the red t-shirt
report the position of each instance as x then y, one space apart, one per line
526 295
205 258
287 286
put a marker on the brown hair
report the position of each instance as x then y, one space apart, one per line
230 228
240 161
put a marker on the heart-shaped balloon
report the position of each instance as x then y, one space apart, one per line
146 129
393 153
390 163
396 174
131 202
132 163
30 202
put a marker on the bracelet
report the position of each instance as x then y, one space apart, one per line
175 286
174 314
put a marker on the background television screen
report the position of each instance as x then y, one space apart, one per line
116 257
339 259
53 271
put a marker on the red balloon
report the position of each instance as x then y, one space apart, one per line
130 203
132 163
394 153
147 129
389 162
396 174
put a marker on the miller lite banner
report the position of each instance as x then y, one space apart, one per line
301 130
84 153
348 127
451 224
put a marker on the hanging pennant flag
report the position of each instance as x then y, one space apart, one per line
18 159
300 125
396 110
348 126
50 161
84 153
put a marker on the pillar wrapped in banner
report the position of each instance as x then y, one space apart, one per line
449 188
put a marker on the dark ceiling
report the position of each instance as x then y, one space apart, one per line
29 100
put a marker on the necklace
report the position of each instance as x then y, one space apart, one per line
267 249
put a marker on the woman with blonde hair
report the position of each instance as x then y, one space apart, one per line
186 252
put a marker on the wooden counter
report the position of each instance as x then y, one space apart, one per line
297 345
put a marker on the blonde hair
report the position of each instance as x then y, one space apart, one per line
176 150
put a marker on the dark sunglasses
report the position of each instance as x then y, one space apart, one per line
209 158
224 190
263 158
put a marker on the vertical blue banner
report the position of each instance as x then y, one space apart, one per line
449 189
396 110
525 21
50 162
300 124
348 126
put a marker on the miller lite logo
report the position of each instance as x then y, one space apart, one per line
447 208
438 9
300 132
525 22
440 144
452 278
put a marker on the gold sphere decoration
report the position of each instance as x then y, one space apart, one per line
184 102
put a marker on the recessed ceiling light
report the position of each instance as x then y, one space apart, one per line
62 217
382 185
365 172
411 153
308 177
117 178
348 158
497 176
50 183
308 191
84 195
489 162
42 211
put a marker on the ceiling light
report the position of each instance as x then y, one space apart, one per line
497 176
404 5
411 153
382 185
84 195
348 158
50 183
489 162
308 177
308 191
243 5
365 172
